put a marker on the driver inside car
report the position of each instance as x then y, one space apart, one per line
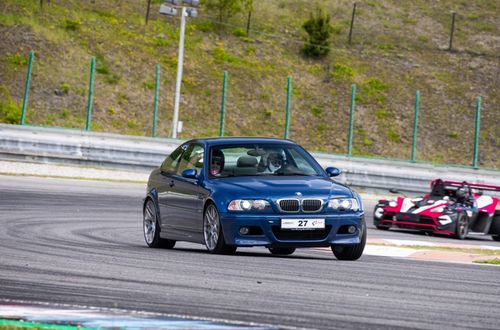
275 161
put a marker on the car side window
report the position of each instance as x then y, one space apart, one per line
172 161
192 158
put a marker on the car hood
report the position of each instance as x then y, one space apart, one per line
281 186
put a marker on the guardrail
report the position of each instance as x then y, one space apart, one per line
142 153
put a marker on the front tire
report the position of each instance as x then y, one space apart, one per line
151 227
462 226
213 234
350 252
379 227
281 251
495 226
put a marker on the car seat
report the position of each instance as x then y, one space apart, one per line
246 165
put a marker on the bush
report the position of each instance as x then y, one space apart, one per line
224 9
10 110
319 30
72 25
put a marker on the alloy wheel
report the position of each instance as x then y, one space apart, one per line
149 222
211 227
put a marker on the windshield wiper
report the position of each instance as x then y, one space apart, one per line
292 174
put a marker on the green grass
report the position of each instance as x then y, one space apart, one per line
7 324
495 261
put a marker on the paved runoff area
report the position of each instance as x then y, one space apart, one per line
453 251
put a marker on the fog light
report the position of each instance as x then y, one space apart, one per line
244 230
351 229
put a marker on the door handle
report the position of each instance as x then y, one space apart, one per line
171 184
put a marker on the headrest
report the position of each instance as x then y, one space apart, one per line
247 161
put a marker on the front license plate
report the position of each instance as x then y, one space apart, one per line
302 224
407 217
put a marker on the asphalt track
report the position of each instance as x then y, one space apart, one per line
81 243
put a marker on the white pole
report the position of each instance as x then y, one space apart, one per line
179 74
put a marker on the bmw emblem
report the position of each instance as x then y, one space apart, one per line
298 194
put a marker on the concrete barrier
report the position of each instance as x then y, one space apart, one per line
119 151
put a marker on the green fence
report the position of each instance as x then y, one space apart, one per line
287 111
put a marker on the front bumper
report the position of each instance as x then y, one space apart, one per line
417 222
266 230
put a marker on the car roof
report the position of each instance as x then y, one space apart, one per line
240 140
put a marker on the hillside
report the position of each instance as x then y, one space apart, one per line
398 47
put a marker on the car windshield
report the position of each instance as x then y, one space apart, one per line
261 160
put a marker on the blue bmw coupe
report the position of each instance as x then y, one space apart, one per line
240 192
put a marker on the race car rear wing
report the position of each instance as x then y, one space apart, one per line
458 184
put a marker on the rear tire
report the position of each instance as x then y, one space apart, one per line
462 226
151 227
353 251
213 233
282 251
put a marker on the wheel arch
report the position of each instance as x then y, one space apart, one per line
153 195
207 202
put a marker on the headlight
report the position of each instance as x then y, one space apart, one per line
438 209
343 204
393 204
248 205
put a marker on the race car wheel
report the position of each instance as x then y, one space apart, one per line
350 252
152 228
382 227
282 251
213 234
495 226
462 226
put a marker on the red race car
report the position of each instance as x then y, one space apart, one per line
451 208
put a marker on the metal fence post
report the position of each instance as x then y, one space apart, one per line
288 103
91 93
27 87
157 88
351 120
223 105
476 133
415 127
352 22
452 30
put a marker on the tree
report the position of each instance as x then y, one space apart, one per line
148 7
249 8
319 30
225 8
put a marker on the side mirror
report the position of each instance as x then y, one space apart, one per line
394 191
189 173
333 171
